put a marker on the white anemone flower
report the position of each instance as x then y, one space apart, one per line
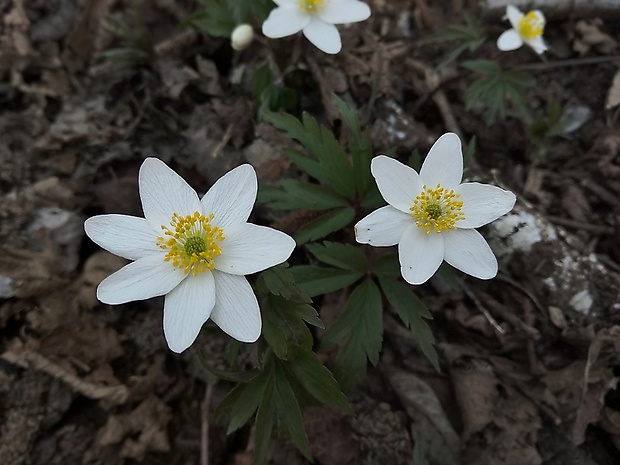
432 215
194 251
526 29
316 19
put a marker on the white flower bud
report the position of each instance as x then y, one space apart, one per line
241 36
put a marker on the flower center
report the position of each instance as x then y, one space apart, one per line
437 209
191 242
531 25
312 7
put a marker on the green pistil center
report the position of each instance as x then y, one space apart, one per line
195 245
312 7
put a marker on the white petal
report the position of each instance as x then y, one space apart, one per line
466 250
509 40
323 36
538 44
236 309
232 197
383 227
483 203
186 308
419 254
147 277
163 192
444 163
399 184
345 11
248 248
514 15
283 22
129 237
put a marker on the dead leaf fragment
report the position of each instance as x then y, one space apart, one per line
429 422
141 431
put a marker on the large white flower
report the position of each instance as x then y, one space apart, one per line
526 28
316 19
432 216
194 251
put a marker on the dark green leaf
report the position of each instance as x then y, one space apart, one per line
325 224
214 18
283 328
318 381
241 403
297 195
412 312
386 266
344 256
265 418
279 280
316 280
362 324
289 412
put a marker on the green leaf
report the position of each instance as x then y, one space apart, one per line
412 312
284 328
279 280
317 280
326 161
362 324
265 418
360 145
297 195
318 381
285 312
289 412
214 18
344 256
483 66
241 403
386 266
325 224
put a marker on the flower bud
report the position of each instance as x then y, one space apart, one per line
241 36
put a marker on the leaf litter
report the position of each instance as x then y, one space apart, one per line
84 383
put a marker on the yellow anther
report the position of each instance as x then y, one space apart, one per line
531 25
312 7
192 243
437 209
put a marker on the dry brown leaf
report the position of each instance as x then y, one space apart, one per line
613 94
330 437
138 432
429 422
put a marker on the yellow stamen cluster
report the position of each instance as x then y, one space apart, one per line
437 209
531 25
191 242
312 7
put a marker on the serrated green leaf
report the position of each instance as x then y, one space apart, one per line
283 328
265 418
318 280
297 195
241 403
326 161
386 266
279 280
318 381
489 67
362 324
360 146
214 18
289 412
344 256
325 224
412 312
